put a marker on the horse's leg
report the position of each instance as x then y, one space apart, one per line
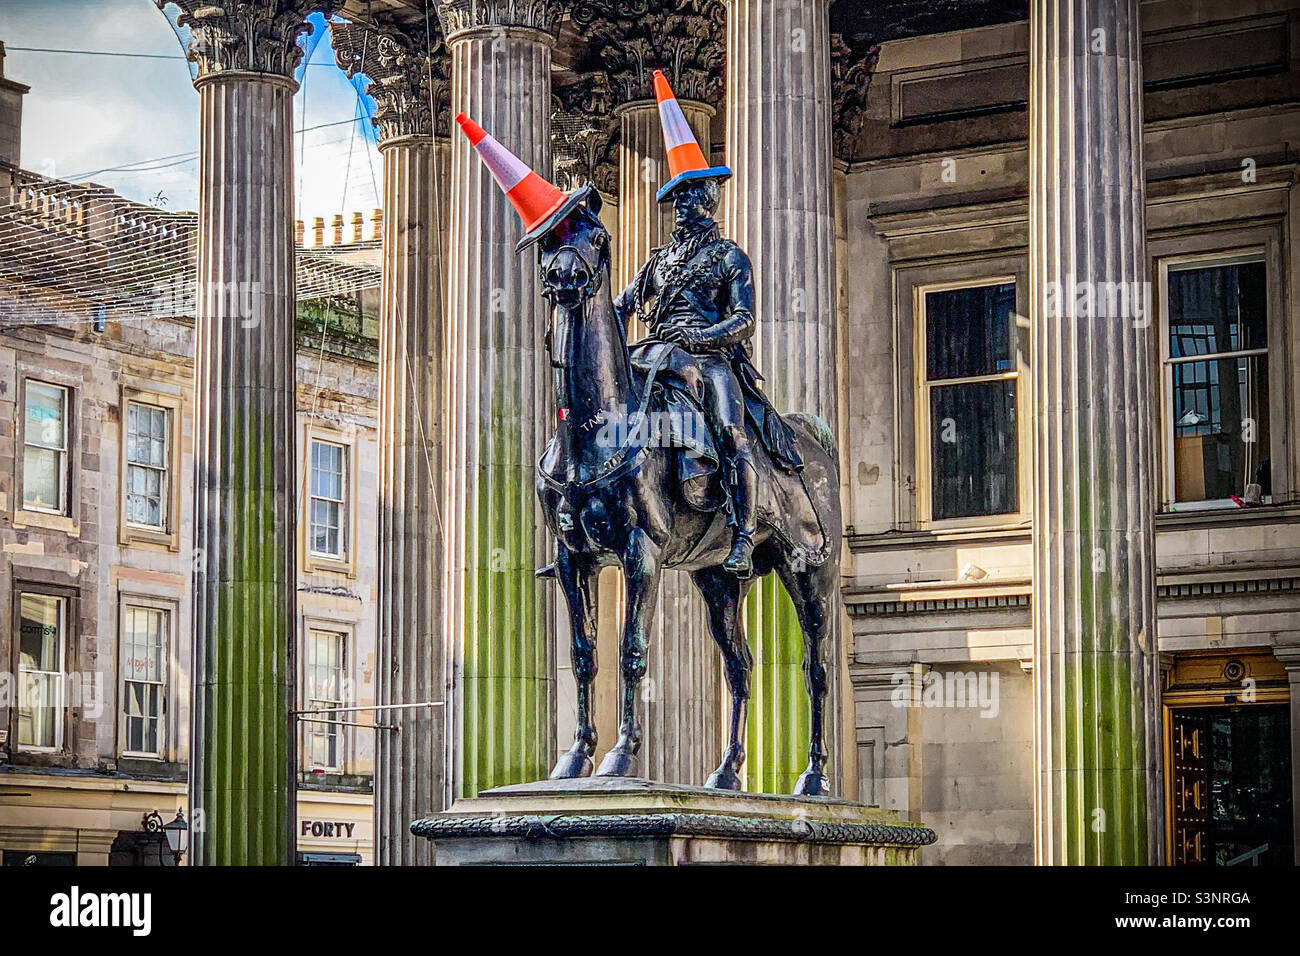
813 592
641 571
577 576
724 594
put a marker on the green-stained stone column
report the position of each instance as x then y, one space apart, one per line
242 747
1096 668
408 72
780 209
499 616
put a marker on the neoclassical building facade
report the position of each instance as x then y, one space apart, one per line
1038 274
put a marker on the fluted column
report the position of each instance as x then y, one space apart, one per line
243 753
408 71
684 675
1096 671
779 208
500 411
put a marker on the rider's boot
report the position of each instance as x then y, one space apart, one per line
740 561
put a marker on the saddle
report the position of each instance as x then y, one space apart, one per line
672 418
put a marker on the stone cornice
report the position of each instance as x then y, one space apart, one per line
246 36
630 40
458 17
409 72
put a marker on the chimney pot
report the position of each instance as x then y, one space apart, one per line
336 226
298 230
378 219
318 231
358 226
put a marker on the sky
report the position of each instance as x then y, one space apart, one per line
132 122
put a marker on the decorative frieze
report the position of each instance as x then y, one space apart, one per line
409 70
254 36
629 41
464 16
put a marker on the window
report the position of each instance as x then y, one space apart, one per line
969 400
147 486
42 639
1216 380
328 499
45 448
325 686
144 644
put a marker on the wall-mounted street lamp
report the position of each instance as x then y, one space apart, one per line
177 833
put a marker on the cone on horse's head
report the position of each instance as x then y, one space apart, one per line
540 204
685 158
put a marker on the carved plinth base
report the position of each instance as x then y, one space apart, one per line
619 820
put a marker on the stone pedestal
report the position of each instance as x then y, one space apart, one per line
643 823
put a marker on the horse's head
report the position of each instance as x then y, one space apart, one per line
573 256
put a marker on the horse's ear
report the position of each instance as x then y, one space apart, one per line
594 202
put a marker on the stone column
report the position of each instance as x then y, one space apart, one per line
499 616
408 71
780 209
1096 663
684 686
243 748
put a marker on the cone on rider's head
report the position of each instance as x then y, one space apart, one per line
541 205
685 158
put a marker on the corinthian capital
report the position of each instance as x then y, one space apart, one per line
462 16
408 70
630 40
257 36
851 70
584 135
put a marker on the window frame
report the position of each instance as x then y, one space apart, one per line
129 602
164 471
1225 249
921 388
310 729
65 452
130 533
312 561
68 653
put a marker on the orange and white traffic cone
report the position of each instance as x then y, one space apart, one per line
685 158
540 204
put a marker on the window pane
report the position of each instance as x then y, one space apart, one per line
1221 427
45 411
43 479
973 449
1217 309
970 332
40 626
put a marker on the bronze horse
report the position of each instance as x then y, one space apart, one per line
624 504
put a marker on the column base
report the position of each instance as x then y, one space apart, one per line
627 820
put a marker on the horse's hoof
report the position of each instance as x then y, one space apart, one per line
724 778
617 764
811 783
573 763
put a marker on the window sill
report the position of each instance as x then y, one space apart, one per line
23 518
318 562
1231 515
137 535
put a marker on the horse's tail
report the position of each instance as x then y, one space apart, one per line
819 430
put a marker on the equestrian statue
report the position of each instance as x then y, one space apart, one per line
666 454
